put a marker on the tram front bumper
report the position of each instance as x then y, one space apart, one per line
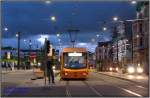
74 75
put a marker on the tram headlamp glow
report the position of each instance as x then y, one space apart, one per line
110 68
131 70
139 69
84 74
66 74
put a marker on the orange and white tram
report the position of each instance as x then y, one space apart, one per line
74 63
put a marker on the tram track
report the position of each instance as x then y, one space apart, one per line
87 85
92 88
68 94
96 91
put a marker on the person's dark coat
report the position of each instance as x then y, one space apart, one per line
50 73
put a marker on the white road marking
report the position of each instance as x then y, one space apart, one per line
141 86
131 92
93 89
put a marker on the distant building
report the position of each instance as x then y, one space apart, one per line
10 55
91 59
13 53
103 55
141 36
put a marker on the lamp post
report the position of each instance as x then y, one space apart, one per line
73 35
115 31
30 45
18 50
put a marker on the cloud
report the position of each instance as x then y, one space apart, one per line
42 38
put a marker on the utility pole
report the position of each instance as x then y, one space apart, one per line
45 61
30 51
73 39
132 46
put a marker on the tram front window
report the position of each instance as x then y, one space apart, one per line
73 61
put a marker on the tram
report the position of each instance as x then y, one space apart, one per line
74 63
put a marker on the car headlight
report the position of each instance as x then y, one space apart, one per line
66 73
139 69
54 67
110 68
116 68
131 70
84 74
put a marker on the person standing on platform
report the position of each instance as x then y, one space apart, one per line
50 72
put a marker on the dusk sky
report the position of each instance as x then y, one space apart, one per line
33 20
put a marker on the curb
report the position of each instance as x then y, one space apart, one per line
12 71
123 79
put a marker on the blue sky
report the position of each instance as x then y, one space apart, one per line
32 19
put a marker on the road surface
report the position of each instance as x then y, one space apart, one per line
97 85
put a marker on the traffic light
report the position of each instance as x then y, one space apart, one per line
47 47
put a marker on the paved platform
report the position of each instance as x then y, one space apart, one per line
14 71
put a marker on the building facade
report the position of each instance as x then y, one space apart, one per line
121 44
140 29
103 55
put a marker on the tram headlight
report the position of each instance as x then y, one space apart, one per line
110 68
139 69
131 70
66 73
84 74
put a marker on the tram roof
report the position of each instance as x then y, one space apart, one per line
74 50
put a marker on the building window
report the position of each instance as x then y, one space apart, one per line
140 28
99 50
141 41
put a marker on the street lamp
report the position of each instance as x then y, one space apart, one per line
115 18
133 2
104 28
5 29
18 53
97 35
137 36
17 35
48 2
30 43
58 35
59 40
53 18
93 40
